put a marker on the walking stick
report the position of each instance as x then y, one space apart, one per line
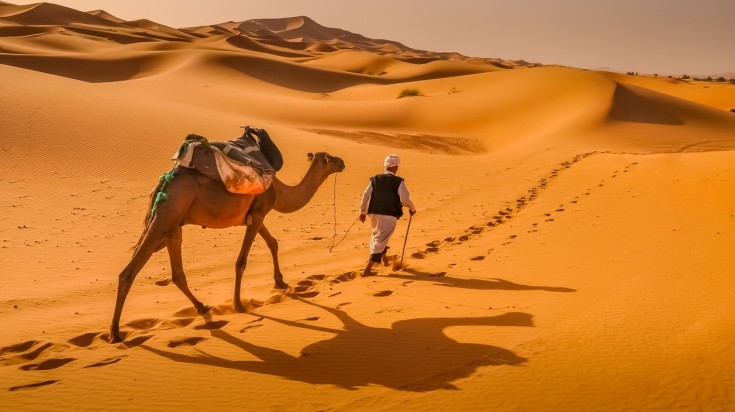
405 240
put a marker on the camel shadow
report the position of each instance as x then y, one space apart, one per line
441 279
411 355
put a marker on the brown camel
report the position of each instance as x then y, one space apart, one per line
194 199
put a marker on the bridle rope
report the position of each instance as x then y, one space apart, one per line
334 204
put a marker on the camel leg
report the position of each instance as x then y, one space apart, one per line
164 224
273 246
242 260
127 276
177 270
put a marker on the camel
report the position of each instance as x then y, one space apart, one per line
194 199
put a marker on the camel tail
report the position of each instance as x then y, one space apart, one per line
157 196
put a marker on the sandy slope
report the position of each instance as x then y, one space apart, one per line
571 250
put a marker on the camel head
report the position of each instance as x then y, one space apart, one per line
332 164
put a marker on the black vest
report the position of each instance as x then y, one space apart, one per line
385 199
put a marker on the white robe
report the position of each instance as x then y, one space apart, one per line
383 226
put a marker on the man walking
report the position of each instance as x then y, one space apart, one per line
383 201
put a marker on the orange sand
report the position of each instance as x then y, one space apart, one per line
572 248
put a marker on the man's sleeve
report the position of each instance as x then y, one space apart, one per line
366 198
405 197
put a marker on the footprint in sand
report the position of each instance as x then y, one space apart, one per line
47 364
86 339
435 243
317 277
478 258
341 305
36 350
464 238
183 341
143 324
417 255
187 312
303 286
181 323
432 249
217 324
132 343
383 293
345 277
164 282
19 347
277 298
33 385
449 239
311 319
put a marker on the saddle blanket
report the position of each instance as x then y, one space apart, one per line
239 164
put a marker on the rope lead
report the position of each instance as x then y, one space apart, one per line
334 237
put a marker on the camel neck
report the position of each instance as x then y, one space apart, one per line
292 198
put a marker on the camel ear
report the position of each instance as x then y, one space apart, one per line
310 156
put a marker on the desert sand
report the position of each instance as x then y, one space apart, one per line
572 248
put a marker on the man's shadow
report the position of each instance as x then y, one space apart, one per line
411 355
441 279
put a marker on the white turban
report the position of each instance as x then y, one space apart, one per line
391 161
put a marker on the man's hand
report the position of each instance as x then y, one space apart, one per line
362 218
412 212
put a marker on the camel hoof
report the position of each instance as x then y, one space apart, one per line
238 307
115 337
203 309
281 285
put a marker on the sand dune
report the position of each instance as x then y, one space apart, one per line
719 96
571 249
105 15
50 14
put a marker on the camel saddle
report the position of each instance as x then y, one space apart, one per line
245 165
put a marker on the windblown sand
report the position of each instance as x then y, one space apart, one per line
572 250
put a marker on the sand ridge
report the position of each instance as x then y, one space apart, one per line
571 249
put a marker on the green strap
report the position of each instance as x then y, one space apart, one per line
161 195
168 177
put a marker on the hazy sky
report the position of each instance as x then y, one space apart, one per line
646 36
